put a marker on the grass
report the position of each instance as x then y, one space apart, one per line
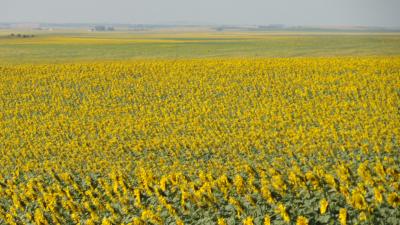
74 46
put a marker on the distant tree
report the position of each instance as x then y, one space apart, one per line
99 28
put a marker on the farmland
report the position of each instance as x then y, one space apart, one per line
200 129
79 46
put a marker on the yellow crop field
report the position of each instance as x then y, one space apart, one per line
201 141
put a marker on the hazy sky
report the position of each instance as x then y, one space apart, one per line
259 12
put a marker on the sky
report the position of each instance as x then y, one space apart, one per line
212 12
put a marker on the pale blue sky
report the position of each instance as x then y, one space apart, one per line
259 12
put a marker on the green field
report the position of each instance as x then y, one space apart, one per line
73 46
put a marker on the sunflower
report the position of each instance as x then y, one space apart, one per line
393 199
323 206
343 216
301 220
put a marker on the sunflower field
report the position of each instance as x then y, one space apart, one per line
201 141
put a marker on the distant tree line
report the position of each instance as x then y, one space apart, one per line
103 28
22 35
